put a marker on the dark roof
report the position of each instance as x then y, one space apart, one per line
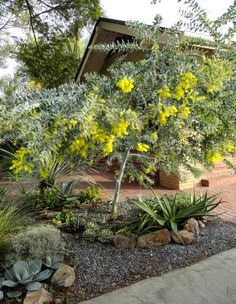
94 40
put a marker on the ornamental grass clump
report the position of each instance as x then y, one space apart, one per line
13 217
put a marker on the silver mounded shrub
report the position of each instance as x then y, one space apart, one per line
34 242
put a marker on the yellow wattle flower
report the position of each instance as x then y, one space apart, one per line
213 157
126 85
141 147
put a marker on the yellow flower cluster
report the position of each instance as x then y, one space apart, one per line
98 138
164 93
184 110
72 123
188 82
213 157
229 147
120 129
126 85
20 164
79 146
141 147
44 172
165 114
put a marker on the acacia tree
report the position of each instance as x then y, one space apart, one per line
176 107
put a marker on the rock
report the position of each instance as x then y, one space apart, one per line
40 296
124 242
201 224
192 226
157 238
205 219
58 301
64 276
184 237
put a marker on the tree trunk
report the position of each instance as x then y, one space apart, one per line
116 198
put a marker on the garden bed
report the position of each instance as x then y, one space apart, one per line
102 268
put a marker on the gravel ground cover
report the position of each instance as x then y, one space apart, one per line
102 267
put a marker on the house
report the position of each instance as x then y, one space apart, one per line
113 31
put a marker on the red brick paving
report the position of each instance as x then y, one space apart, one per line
227 210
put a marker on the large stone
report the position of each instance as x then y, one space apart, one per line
192 225
184 237
124 242
64 276
201 224
41 296
157 238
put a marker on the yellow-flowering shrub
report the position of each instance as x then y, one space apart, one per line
126 85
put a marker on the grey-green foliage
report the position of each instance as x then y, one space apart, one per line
25 275
34 242
53 260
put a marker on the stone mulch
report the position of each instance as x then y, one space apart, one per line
102 268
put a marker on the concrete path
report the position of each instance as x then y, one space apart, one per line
212 281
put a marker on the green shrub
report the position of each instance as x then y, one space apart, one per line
34 242
63 217
90 195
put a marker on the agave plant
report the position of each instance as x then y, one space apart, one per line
53 261
166 212
66 192
56 171
25 275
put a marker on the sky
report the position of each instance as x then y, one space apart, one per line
143 10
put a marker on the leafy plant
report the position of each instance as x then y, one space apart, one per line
57 197
63 217
25 275
90 195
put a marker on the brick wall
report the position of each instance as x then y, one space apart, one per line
220 172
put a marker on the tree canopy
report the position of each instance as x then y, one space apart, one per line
52 47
